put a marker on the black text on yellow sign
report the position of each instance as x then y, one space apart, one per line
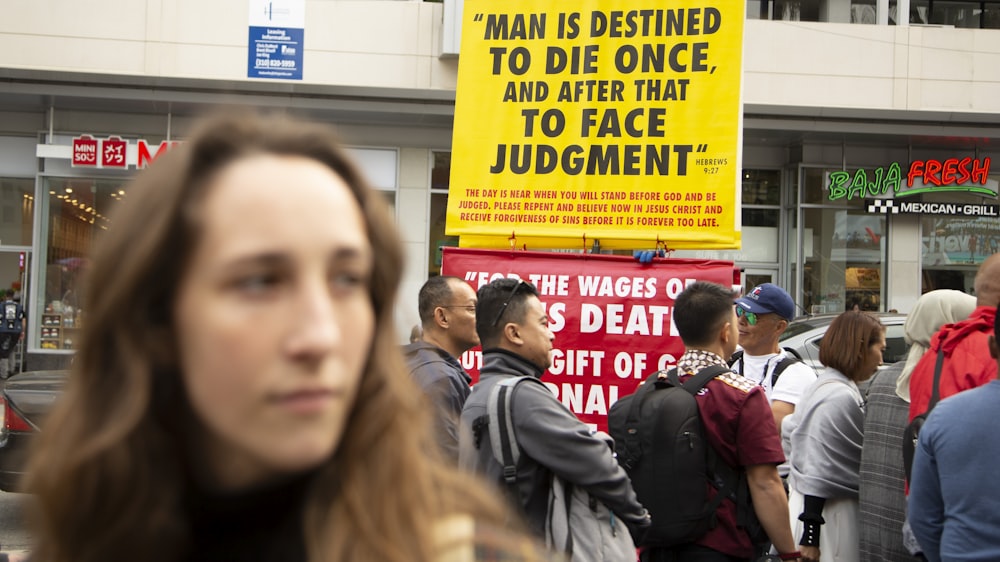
615 116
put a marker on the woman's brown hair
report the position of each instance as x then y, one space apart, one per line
110 466
847 340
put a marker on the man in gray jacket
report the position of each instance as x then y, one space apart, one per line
447 307
514 329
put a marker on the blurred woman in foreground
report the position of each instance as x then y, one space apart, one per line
238 393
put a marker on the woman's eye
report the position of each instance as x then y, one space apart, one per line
349 280
257 283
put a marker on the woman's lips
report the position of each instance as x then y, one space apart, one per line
306 401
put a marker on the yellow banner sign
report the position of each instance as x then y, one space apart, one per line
616 120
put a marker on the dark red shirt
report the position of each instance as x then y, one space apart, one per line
740 427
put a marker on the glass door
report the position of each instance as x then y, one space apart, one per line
14 278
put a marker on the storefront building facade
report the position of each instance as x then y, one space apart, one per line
384 74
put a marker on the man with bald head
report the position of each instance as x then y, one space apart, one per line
967 361
447 308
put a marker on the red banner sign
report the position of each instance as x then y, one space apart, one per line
611 316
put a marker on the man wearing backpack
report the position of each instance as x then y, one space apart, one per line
739 428
764 314
514 329
447 307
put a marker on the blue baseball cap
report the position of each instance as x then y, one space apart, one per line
767 298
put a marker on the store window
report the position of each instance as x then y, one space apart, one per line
17 211
76 210
843 247
863 11
984 14
380 167
761 212
953 247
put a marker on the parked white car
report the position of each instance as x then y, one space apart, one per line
804 334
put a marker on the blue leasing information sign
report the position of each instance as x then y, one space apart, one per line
275 52
275 47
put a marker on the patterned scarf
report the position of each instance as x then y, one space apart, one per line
695 360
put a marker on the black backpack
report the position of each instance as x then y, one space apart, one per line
668 480
786 362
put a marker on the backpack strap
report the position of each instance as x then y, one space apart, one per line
504 444
501 427
936 391
630 450
737 358
724 477
785 363
698 380
791 357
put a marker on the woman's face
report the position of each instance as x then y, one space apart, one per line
872 358
273 318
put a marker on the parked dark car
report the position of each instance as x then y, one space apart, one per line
26 398
804 334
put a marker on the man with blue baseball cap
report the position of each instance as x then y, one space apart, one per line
763 314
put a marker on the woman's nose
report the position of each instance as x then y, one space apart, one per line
314 328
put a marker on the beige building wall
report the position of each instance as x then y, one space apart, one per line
386 44
353 43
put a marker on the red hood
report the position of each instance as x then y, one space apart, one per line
981 320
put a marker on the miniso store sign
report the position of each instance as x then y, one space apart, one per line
106 153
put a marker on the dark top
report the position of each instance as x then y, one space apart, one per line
446 383
262 524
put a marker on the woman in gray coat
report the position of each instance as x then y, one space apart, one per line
823 441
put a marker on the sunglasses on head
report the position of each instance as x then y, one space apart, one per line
503 307
750 316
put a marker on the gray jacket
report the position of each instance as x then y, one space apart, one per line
551 439
446 383
823 438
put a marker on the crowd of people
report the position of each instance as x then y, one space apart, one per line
240 394
821 452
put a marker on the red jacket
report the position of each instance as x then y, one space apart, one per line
967 361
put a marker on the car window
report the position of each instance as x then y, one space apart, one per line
794 329
896 347
814 344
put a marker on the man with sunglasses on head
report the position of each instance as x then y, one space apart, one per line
447 308
517 342
763 314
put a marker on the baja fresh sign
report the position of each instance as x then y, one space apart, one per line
922 176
